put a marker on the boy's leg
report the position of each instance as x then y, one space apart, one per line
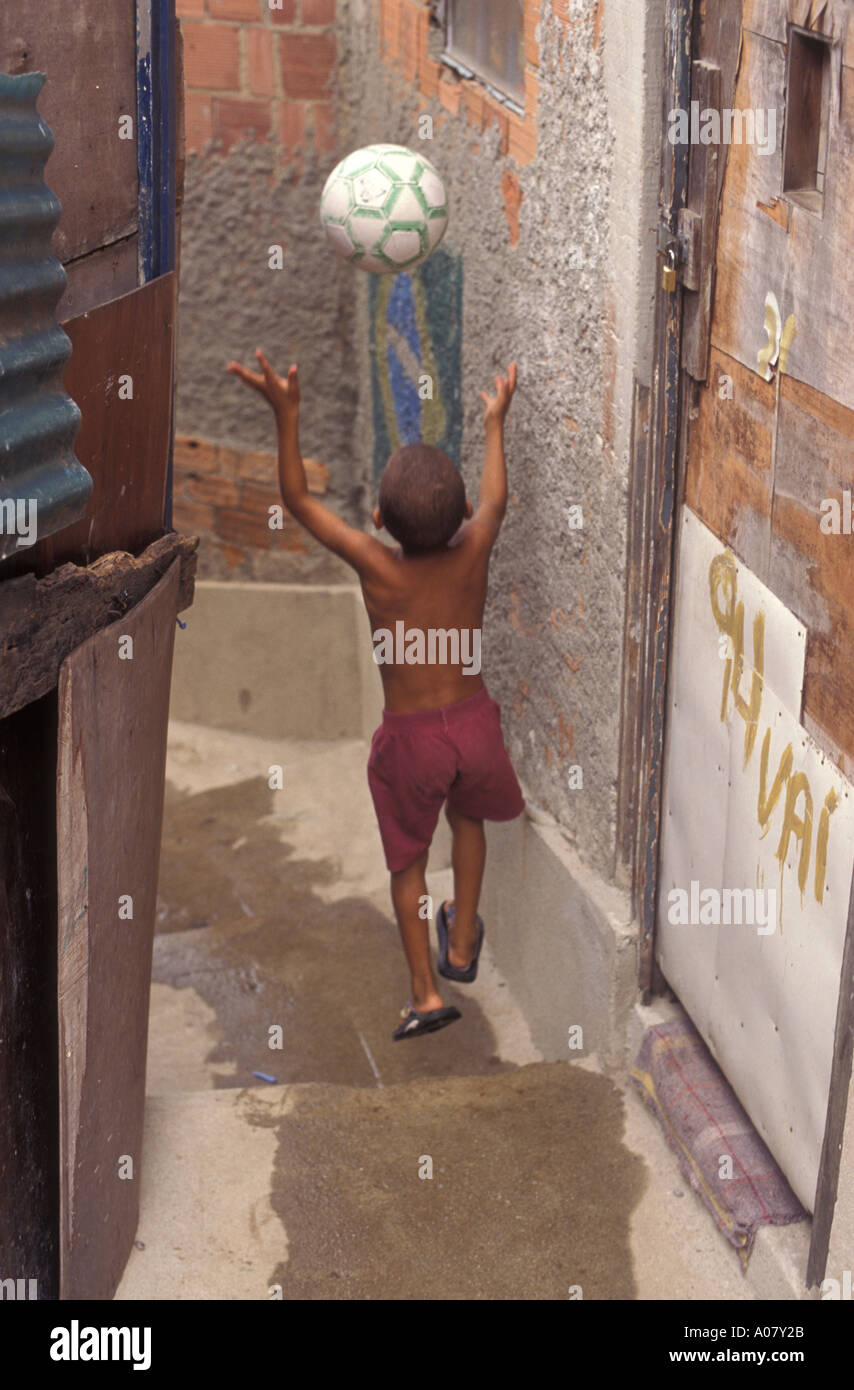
408 892
468 857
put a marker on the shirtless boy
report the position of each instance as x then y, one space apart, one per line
440 740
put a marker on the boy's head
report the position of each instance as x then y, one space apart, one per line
422 501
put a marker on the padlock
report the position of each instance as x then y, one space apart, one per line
668 273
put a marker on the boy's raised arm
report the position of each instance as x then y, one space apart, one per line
492 502
283 395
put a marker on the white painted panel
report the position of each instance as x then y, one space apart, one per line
765 1002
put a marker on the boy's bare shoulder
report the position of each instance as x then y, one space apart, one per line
479 533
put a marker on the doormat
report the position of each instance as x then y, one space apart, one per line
704 1122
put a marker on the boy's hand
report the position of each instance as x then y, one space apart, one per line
497 406
281 392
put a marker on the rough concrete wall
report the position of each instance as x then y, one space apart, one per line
236 207
554 625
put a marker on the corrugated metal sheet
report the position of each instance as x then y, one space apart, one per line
43 486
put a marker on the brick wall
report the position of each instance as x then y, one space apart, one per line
408 45
255 72
226 496
258 72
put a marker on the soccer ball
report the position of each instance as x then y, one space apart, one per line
384 208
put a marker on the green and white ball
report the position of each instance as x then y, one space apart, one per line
384 208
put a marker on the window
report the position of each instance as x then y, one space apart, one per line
485 39
806 119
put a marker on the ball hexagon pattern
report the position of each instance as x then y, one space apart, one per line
384 208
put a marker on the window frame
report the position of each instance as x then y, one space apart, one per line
514 101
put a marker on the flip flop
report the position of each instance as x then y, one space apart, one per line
430 1021
463 975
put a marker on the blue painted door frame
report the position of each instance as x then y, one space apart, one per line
157 135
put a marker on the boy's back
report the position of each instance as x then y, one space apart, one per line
441 593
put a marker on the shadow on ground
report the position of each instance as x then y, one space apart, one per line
239 921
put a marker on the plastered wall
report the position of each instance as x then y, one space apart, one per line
548 259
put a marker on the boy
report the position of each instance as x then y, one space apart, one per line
440 739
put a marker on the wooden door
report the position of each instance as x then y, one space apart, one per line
113 709
760 708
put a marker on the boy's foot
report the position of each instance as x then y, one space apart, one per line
462 974
414 1023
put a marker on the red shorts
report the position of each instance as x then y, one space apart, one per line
419 760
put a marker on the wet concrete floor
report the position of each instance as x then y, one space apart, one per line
456 1166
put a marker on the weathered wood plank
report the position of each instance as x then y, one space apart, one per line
43 620
767 17
112 757
97 278
811 569
90 61
805 260
123 441
29 1135
703 202
729 456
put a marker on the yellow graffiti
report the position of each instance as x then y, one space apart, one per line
765 805
831 801
728 612
730 621
800 827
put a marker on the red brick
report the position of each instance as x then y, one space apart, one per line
390 28
198 121
236 9
257 497
308 61
216 491
211 56
532 92
259 50
192 455
473 103
513 196
291 125
323 113
317 11
532 19
236 119
286 14
254 464
409 17
523 140
190 9
241 529
191 516
233 555
292 538
449 94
